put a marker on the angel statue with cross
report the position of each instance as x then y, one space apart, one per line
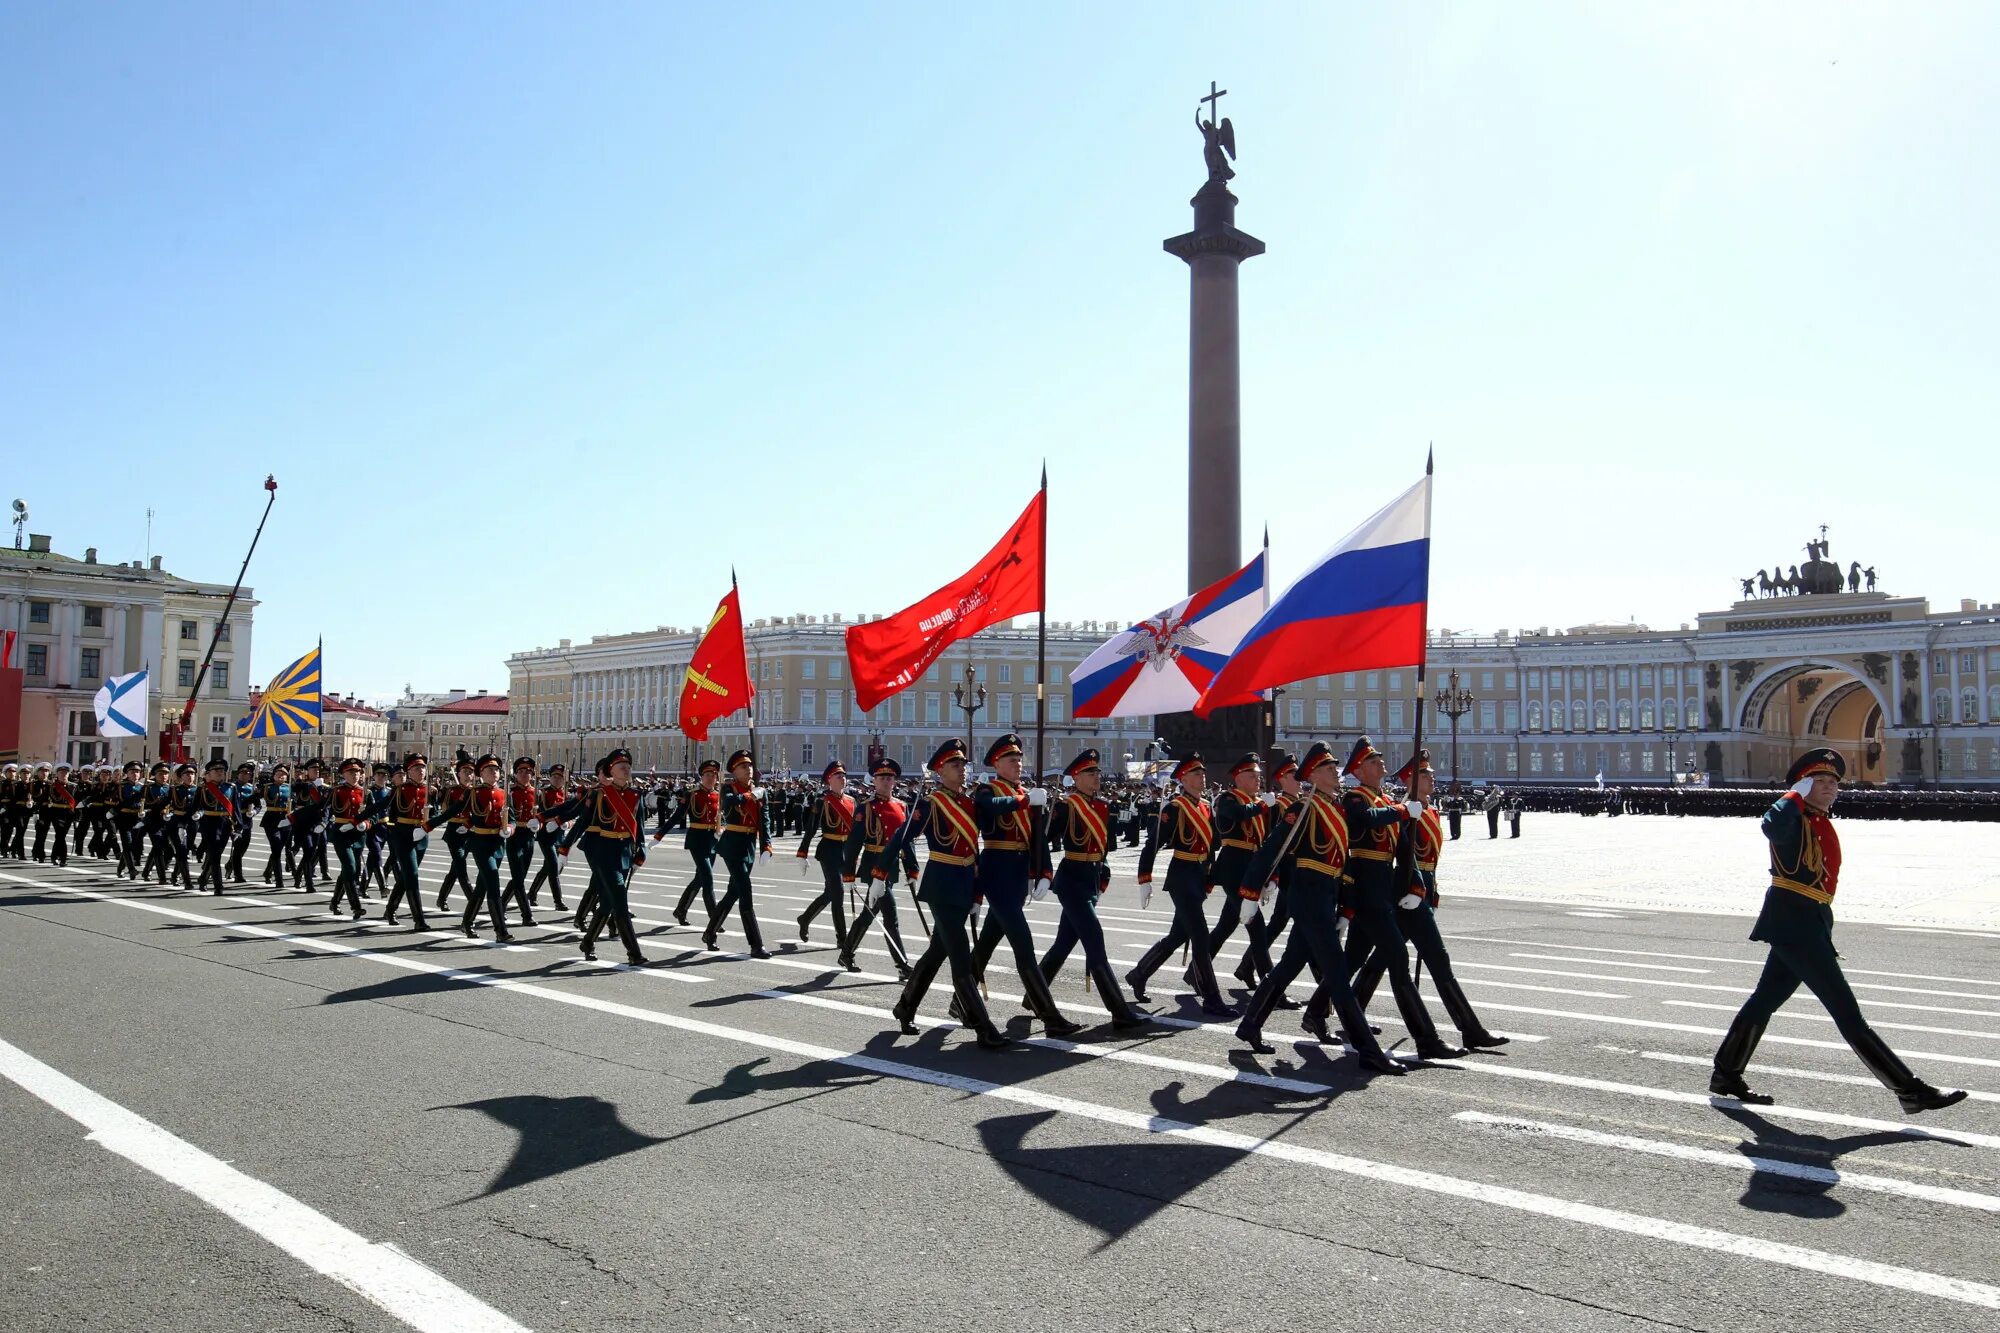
1217 138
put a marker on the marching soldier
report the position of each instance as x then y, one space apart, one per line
309 806
242 798
408 813
159 791
868 861
59 810
348 805
457 792
1290 795
701 813
1313 834
38 802
1373 825
1415 916
1080 829
612 834
216 806
1013 857
1797 925
1242 815
743 843
555 804
12 805
277 803
378 831
832 818
179 825
524 809
1186 828
486 830
129 819
945 819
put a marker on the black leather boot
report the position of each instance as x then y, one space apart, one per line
920 980
1042 1003
589 944
1123 1015
1732 1058
1913 1093
1149 963
1470 1030
975 1017
631 939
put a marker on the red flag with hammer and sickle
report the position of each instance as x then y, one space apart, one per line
718 677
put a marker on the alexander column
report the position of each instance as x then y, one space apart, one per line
1213 250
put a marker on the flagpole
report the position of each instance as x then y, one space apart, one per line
750 704
1042 633
194 692
1405 868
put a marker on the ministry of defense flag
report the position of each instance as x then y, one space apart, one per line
1359 608
121 705
289 705
886 655
718 676
1163 663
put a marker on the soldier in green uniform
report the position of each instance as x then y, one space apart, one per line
745 841
1797 924
701 814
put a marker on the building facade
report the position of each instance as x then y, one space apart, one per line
79 621
440 725
347 727
1909 695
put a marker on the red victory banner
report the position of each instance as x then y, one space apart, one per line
887 655
718 678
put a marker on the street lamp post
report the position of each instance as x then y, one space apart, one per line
1454 702
968 700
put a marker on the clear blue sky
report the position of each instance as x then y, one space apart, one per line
622 295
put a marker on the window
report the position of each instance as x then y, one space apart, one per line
1323 712
88 670
1510 716
1396 716
1968 662
1534 715
1645 714
1347 680
1993 703
1486 680
1602 721
1670 675
219 673
1510 680
1350 713
38 613
1535 679
217 725
1601 678
1940 664
38 659
1295 712
1027 675
1006 713
1534 761
1006 673
833 706
1645 761
933 673
93 617
906 708
1488 715
833 669
1670 715
184 675
187 631
1645 675
908 758
1374 714
1027 708
1559 761
1968 706
1372 681
1513 762
808 707
1395 681
222 633
1576 678
1625 715
1941 706
1624 761
1557 720
1624 677
979 674
808 670
806 755
933 703
1691 713
1055 708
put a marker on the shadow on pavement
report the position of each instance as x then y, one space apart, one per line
556 1134
1769 1192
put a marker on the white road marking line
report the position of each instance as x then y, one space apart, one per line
1805 1017
1612 916
1935 930
1770 1166
1650 967
1783 1071
378 1273
1711 958
1617 1021
1500 1196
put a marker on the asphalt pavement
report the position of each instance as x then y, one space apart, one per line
244 1112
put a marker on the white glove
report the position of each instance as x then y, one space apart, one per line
878 890
805 868
764 857
534 826
757 792
1038 797
1145 896
1409 902
1041 889
1415 809
1802 787
1268 798
363 826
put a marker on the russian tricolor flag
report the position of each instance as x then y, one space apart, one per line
1360 608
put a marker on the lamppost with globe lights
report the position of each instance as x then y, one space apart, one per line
1454 702
968 697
